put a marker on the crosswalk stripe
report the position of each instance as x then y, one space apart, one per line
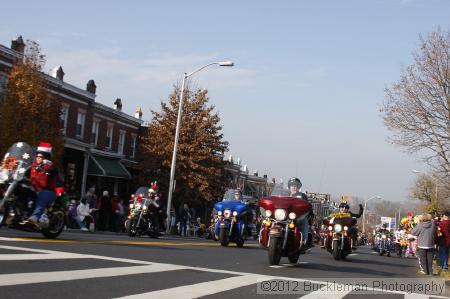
200 289
416 296
210 287
40 277
322 294
39 256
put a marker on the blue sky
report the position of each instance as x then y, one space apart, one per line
302 99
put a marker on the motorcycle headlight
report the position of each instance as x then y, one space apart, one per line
145 207
138 206
292 215
268 213
131 205
227 213
235 213
330 228
337 228
280 214
346 228
383 236
219 213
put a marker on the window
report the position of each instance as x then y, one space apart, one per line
80 123
133 145
121 141
95 126
109 135
63 117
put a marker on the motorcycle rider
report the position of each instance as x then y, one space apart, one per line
385 231
43 177
295 185
238 194
155 202
344 208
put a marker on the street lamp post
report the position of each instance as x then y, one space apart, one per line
177 132
364 212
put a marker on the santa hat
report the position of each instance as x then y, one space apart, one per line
410 214
45 148
154 186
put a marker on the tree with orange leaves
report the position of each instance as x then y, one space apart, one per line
200 175
28 112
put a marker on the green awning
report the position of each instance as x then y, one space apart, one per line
252 188
101 166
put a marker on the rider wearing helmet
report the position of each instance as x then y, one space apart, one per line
295 185
344 208
238 194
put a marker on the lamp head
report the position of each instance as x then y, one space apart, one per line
226 63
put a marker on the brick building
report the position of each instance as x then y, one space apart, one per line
100 142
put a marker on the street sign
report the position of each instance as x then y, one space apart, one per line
393 223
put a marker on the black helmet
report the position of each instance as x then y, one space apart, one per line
344 205
294 182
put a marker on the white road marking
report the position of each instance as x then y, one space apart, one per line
38 256
200 289
13 239
352 254
323 294
416 296
40 277
146 267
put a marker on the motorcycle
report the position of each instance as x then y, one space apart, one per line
17 195
338 241
384 244
210 231
142 219
232 218
280 232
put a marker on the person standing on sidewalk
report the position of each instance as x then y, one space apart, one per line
105 212
443 240
425 232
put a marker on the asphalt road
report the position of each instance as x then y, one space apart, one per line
85 265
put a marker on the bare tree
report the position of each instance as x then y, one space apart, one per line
416 108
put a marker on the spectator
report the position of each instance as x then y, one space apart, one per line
92 202
185 219
84 212
104 212
443 240
425 232
118 212
73 215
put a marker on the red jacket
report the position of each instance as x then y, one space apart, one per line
43 177
445 230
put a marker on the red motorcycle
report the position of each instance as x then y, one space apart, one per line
280 232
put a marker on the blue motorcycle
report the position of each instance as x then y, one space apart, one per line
232 218
384 244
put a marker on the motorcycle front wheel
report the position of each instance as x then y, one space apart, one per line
55 226
131 227
336 250
240 242
274 251
223 237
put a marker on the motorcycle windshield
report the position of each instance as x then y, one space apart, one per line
279 190
141 191
16 162
230 195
